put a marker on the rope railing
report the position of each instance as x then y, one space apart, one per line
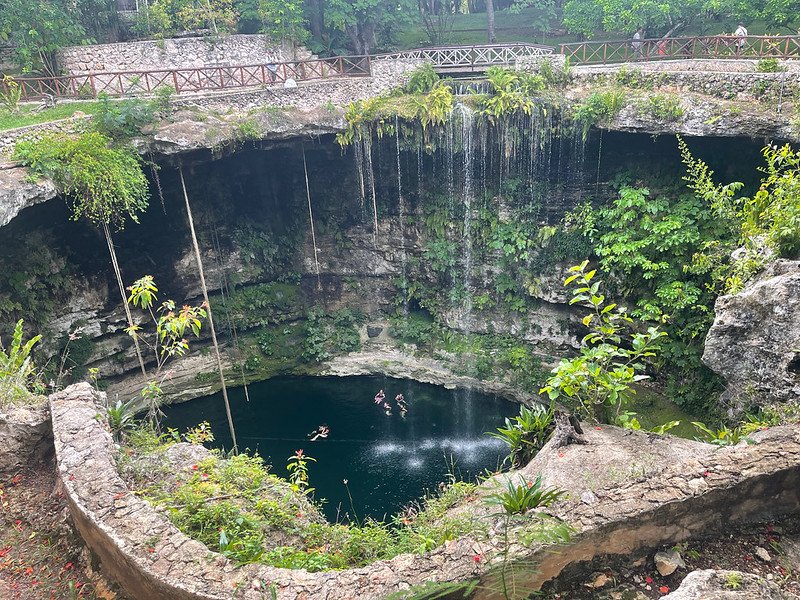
711 46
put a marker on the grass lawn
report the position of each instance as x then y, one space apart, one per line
524 27
27 116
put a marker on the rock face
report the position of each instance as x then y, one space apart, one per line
25 436
754 342
16 192
710 584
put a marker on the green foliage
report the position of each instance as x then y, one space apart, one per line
297 466
434 107
598 108
733 580
526 433
511 92
40 27
17 372
599 379
769 65
773 212
121 417
10 93
725 436
123 119
165 17
104 184
329 335
519 496
283 20
422 80
664 107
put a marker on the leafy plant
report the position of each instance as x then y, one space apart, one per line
599 107
526 433
733 580
121 119
600 377
10 93
724 436
435 107
121 417
664 107
511 92
422 80
297 465
17 372
769 65
518 498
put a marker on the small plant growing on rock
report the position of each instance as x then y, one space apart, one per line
17 372
120 418
297 465
526 433
733 581
518 498
599 379
724 436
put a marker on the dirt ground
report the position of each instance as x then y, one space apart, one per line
735 551
41 557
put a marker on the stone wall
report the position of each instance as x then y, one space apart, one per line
151 559
176 54
725 84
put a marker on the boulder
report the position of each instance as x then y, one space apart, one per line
25 436
754 342
710 584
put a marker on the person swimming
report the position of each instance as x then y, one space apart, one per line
388 408
320 432
379 397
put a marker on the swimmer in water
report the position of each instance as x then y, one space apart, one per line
320 433
379 397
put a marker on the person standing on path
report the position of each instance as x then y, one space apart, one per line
741 38
637 43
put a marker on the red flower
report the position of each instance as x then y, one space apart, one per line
648 579
599 428
706 473
664 589
560 455
204 475
476 558
194 467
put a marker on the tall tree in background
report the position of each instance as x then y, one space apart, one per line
437 19
283 20
363 20
490 21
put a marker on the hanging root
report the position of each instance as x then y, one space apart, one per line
567 431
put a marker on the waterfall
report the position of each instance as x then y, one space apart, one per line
466 117
402 217
367 152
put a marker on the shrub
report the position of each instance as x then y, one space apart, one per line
422 80
17 372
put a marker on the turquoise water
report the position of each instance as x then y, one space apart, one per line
388 460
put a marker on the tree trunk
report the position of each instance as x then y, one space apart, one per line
210 316
490 21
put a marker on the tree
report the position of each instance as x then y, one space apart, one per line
589 16
490 21
364 21
283 20
437 19
37 28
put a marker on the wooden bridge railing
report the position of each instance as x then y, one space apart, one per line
474 57
713 46
203 79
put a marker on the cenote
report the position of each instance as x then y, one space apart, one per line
387 460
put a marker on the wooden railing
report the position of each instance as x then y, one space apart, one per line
713 46
203 79
473 57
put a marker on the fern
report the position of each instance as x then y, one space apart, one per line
17 372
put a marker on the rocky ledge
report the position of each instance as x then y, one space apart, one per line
691 491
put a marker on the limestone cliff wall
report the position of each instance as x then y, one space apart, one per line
754 342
